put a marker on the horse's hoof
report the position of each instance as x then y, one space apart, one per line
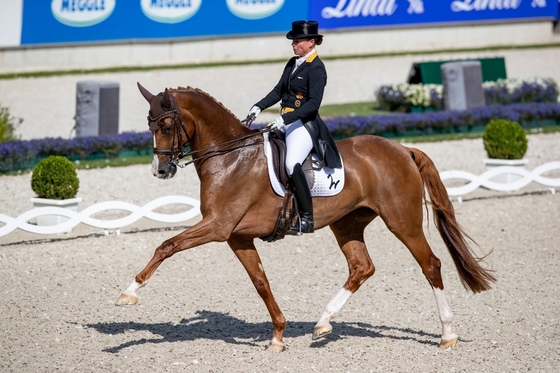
448 343
276 346
321 331
127 299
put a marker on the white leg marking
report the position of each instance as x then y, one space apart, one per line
334 306
445 315
131 290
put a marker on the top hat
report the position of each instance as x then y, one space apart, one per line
304 30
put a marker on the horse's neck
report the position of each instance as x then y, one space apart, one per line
214 124
212 132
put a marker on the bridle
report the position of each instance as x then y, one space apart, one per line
177 150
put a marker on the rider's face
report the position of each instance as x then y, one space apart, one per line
302 46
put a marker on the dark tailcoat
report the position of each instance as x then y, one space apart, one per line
301 94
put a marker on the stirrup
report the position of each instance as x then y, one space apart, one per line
303 226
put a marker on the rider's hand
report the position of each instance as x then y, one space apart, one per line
277 124
254 112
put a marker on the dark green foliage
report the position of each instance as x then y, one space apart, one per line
8 125
504 139
55 177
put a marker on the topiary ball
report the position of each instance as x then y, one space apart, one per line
504 139
55 177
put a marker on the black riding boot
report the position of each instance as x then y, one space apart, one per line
303 197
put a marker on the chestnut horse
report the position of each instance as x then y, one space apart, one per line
382 178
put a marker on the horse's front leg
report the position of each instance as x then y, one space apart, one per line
197 235
248 256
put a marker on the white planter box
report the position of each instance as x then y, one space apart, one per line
505 178
71 204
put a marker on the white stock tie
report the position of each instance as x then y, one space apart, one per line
299 61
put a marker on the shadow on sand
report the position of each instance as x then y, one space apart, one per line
219 326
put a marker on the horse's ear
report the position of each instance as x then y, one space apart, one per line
147 95
166 100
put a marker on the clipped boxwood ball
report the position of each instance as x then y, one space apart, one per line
55 177
504 139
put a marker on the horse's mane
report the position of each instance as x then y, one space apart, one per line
198 90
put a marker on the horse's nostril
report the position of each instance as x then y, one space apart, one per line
161 172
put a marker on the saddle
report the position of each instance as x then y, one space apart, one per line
278 147
287 215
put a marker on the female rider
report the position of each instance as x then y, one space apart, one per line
300 91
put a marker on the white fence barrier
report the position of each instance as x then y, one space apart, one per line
85 216
484 180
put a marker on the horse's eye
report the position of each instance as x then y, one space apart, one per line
166 129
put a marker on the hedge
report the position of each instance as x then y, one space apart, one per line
24 154
414 124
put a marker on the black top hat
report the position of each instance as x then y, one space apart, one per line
304 30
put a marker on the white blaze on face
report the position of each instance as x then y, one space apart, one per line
155 161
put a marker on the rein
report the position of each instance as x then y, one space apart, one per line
212 153
178 152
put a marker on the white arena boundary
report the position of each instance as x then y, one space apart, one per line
484 180
85 216
473 182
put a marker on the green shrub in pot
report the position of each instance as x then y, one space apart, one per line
504 139
55 177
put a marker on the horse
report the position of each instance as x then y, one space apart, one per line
237 203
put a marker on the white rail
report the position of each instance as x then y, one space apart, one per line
85 216
484 180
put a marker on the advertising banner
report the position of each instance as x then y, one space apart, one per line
94 21
77 21
332 14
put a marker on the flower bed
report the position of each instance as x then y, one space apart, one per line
21 154
393 125
407 97
25 154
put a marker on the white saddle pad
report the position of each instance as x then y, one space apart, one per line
328 181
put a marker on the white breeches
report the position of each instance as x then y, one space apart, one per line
298 144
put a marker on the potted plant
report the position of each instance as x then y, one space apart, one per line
56 183
505 143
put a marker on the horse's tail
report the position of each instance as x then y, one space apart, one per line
473 276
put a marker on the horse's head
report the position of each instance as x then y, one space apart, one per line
169 133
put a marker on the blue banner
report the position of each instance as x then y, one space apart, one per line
332 14
93 21
76 21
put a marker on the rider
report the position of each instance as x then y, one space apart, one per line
300 90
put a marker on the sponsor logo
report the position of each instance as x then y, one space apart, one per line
477 5
415 7
170 11
356 8
81 13
254 9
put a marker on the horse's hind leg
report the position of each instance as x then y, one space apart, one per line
349 233
410 232
248 256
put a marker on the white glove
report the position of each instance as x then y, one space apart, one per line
254 110
277 124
